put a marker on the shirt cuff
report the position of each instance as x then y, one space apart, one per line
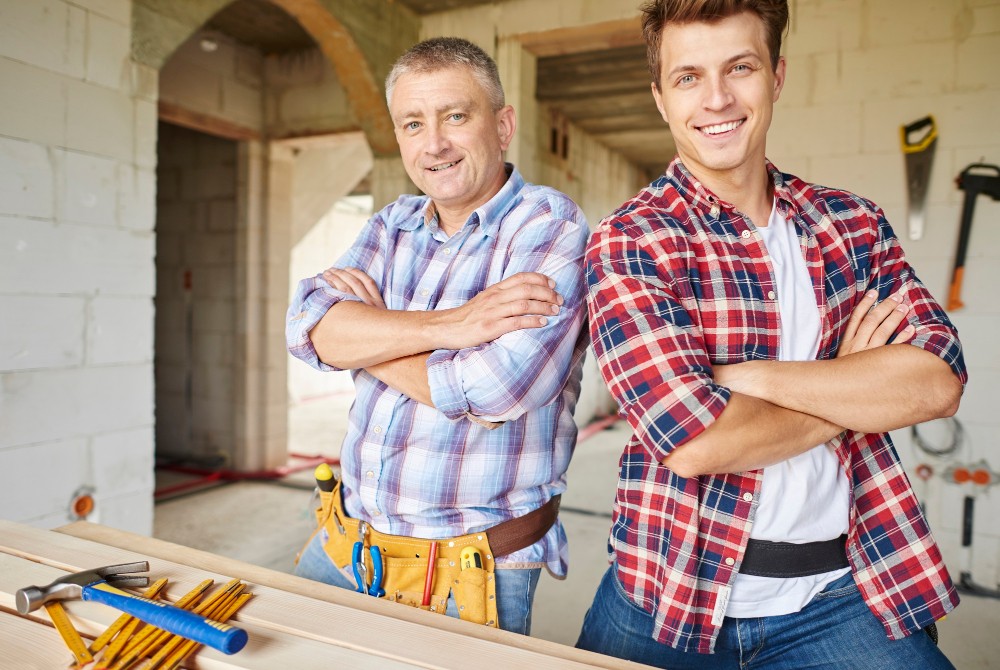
447 390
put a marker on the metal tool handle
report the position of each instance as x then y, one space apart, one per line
227 639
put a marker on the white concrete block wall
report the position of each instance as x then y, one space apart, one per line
857 71
76 263
304 96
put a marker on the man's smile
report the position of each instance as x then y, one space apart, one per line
443 166
720 128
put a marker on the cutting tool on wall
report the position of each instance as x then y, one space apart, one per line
919 140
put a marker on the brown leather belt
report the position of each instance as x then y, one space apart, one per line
516 534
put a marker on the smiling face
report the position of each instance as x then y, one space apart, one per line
451 140
717 91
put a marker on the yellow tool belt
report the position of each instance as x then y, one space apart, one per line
405 563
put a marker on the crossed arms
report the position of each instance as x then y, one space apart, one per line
699 417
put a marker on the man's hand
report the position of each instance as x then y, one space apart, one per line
519 302
870 327
355 282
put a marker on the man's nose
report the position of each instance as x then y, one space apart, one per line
718 95
437 140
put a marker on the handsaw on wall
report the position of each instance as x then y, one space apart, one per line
919 140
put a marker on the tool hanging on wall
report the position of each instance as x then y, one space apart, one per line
980 477
919 140
974 179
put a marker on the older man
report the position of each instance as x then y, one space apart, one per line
740 317
459 314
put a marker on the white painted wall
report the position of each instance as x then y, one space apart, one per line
77 189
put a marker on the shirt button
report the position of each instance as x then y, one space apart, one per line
447 250
376 512
745 234
369 474
730 561
377 429
770 295
424 292
748 497
714 211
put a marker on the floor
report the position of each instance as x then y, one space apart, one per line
265 523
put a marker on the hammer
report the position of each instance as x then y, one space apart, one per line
97 585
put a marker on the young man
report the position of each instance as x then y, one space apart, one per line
459 314
762 514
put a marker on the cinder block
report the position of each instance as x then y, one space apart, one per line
122 463
41 477
36 112
40 332
146 125
27 184
120 330
985 20
108 53
909 22
136 198
76 44
87 188
829 130
99 120
190 86
909 69
132 513
75 260
978 344
242 104
35 33
116 10
977 57
824 27
86 400
877 177
145 82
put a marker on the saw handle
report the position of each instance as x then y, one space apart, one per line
227 639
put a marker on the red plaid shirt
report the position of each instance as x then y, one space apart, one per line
679 282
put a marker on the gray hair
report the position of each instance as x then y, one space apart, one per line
438 53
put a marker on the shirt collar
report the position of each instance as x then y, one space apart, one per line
488 215
703 200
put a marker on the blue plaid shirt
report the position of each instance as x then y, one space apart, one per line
410 469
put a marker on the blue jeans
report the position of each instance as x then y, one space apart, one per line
835 630
515 588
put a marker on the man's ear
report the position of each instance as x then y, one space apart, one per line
779 78
658 98
506 125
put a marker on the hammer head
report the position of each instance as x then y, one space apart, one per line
70 587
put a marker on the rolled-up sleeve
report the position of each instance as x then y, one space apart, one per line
524 369
651 354
314 297
891 272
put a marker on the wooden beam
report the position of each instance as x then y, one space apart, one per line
593 37
379 628
205 123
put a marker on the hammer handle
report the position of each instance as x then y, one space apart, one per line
227 639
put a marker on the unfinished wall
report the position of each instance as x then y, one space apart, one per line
196 297
857 71
77 152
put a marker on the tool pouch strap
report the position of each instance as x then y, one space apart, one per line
405 558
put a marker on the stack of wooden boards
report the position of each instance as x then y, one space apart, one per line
292 622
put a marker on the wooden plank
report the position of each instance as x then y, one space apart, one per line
204 123
345 618
266 649
562 41
28 645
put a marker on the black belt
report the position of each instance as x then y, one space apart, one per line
786 559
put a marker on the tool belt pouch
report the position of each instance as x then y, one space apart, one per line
405 566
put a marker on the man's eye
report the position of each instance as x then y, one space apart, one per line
412 125
457 116
741 68
686 79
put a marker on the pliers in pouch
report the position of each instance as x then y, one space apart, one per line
361 570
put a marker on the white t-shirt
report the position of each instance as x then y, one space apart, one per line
805 498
